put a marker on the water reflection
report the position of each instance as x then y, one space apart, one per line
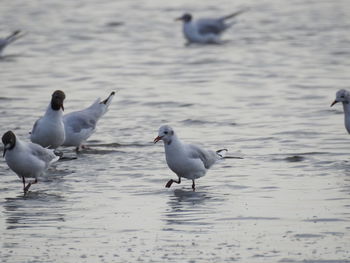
35 209
188 208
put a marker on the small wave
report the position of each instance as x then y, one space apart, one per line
163 104
202 122
295 158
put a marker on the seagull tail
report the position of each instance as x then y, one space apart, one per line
14 36
109 99
221 153
232 15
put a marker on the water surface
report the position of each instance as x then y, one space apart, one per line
264 95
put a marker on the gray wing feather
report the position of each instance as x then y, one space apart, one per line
43 154
207 157
211 26
78 123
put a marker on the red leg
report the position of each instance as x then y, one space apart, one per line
171 181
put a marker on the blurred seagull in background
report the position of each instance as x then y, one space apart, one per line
80 125
344 97
11 38
206 30
48 131
27 160
186 160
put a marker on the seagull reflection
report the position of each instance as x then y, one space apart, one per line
35 209
188 208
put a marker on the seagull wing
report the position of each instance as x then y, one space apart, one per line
46 155
207 157
210 26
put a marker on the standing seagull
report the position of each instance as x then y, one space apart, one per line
27 160
48 131
7 40
344 97
80 125
207 30
186 160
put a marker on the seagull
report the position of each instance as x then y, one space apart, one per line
27 160
7 40
344 97
80 125
186 160
48 131
206 30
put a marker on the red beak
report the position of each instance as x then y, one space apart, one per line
334 102
157 139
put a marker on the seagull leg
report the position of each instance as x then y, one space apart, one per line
171 181
27 187
24 184
193 186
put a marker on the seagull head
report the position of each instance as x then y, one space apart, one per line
341 96
9 141
57 100
165 133
185 17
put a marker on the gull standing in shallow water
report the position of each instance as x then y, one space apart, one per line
48 131
80 125
344 97
27 160
7 40
186 160
207 30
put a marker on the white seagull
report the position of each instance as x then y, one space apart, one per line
80 125
27 160
48 131
7 40
206 30
344 97
186 160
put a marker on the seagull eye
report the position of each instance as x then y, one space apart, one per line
342 96
165 132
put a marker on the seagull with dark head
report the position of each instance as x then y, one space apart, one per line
48 131
27 160
206 30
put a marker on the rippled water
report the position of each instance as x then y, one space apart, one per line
264 95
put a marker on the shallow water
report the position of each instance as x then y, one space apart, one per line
264 95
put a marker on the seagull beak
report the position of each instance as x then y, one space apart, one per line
7 146
157 139
334 102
